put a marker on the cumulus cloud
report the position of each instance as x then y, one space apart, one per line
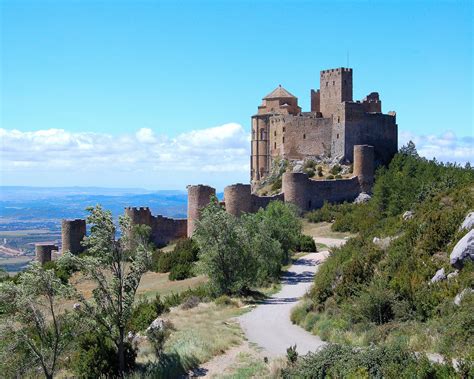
446 147
217 149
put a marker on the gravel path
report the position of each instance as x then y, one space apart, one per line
269 324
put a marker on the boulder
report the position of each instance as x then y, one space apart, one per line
158 323
362 198
298 168
459 296
383 243
439 276
463 250
453 274
408 215
468 222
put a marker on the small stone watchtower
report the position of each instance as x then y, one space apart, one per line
72 234
198 197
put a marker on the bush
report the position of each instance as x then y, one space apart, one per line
158 335
276 185
306 244
144 312
339 361
330 177
61 272
95 357
338 176
309 172
336 169
181 271
179 262
320 171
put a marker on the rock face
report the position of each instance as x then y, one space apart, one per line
408 215
362 198
468 222
463 250
439 276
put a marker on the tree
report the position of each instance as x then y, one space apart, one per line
224 254
33 332
409 149
116 268
282 223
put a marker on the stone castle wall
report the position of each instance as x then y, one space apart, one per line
163 229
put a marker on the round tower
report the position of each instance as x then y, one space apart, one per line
364 166
43 252
72 234
238 199
198 198
294 187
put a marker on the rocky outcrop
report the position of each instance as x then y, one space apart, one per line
439 276
453 274
463 251
383 243
468 222
460 296
362 198
408 215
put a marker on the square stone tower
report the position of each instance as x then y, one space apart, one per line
335 88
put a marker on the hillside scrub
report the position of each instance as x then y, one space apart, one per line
238 254
179 262
369 293
339 361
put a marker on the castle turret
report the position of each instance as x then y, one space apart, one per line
139 216
294 187
238 199
335 88
72 234
364 166
43 252
198 198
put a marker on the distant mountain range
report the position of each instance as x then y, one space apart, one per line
27 204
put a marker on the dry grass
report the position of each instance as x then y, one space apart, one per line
322 229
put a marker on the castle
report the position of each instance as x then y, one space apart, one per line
335 124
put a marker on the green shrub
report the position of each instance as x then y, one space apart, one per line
339 361
181 271
178 262
338 176
330 177
61 272
276 185
320 171
309 172
95 356
309 164
306 244
336 169
144 312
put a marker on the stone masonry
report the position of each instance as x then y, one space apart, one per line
335 124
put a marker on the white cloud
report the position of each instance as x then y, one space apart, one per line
446 147
217 149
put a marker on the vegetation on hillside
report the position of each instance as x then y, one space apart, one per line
238 254
371 292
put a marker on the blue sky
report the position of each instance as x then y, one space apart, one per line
146 82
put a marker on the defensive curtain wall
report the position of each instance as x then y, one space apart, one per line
297 188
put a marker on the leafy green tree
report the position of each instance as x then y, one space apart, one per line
224 250
34 333
283 224
116 268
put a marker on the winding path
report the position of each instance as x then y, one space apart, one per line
269 324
